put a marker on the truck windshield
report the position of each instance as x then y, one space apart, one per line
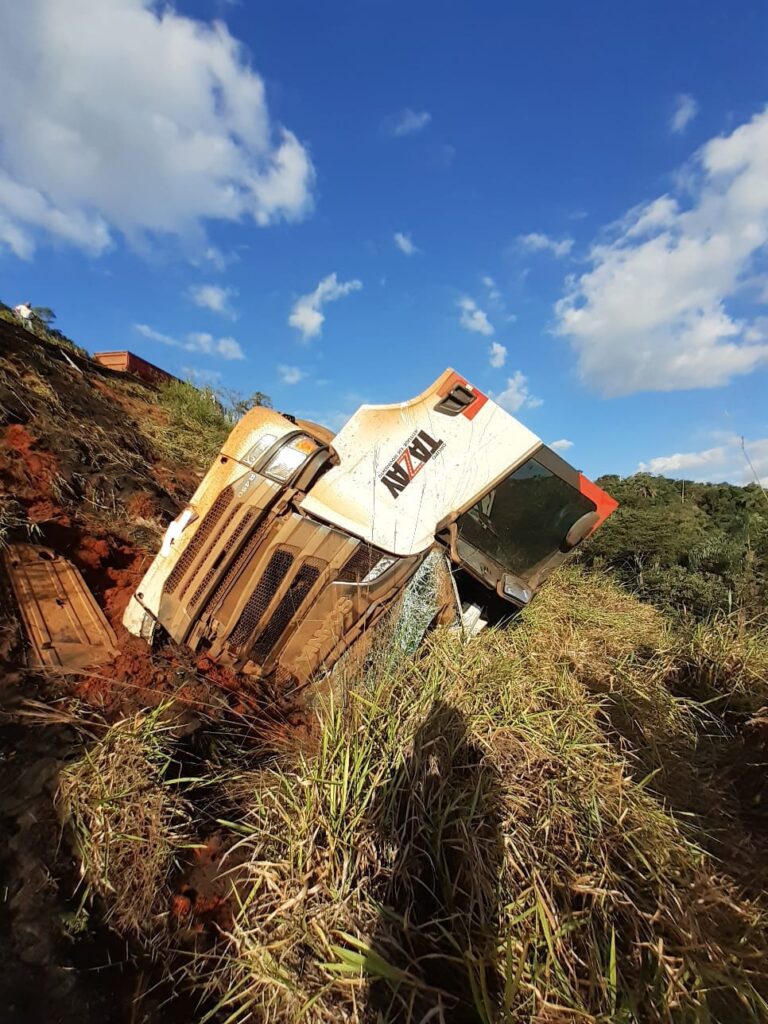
524 519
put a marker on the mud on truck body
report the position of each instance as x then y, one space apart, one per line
296 541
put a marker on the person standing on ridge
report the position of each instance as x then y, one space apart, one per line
25 313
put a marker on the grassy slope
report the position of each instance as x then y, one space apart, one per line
95 441
542 823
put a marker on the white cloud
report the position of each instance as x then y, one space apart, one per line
405 244
474 318
229 348
24 212
686 108
497 354
290 374
212 257
757 452
196 341
538 242
153 335
214 297
306 316
727 461
407 122
684 460
517 394
651 312
562 445
202 378
493 291
96 141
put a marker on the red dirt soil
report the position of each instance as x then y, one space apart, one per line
203 899
45 510
38 468
142 505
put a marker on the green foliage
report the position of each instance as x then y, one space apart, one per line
258 400
198 422
125 822
44 314
200 419
689 547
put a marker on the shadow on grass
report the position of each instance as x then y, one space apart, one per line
439 821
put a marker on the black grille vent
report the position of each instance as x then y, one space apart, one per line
279 564
237 533
209 523
214 539
359 565
234 570
292 601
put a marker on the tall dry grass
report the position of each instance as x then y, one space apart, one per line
197 424
127 822
486 832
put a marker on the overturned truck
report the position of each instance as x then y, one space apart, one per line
296 542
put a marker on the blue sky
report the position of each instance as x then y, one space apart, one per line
332 203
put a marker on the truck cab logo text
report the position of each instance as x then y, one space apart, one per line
412 458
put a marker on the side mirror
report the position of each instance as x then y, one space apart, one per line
580 529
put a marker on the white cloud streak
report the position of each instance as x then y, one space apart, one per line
96 141
405 244
407 122
214 297
306 315
562 445
197 341
724 462
517 394
538 242
202 378
290 374
493 291
684 460
651 313
497 355
686 108
473 318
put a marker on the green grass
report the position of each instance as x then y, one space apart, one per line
491 831
127 824
197 424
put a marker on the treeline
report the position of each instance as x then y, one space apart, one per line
692 548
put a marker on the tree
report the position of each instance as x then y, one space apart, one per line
257 400
707 554
44 314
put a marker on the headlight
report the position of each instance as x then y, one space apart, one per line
287 459
257 450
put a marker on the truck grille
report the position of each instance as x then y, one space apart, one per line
359 565
209 523
292 601
237 533
276 571
234 570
